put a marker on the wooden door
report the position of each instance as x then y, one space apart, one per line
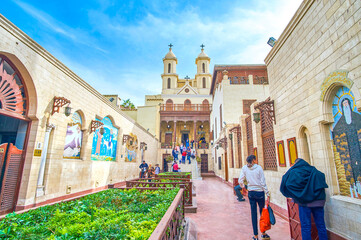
168 138
295 224
226 166
249 135
11 159
204 163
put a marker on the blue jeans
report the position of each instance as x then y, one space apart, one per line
254 199
238 190
183 159
305 218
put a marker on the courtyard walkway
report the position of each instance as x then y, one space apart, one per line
221 217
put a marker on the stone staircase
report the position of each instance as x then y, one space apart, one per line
193 167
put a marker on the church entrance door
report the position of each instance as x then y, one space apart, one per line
12 137
204 163
185 136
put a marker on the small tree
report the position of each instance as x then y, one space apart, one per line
127 104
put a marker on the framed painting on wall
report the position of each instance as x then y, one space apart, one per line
281 153
292 150
255 153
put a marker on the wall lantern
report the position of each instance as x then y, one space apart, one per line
67 111
185 126
58 103
168 126
271 41
94 125
256 117
217 146
201 126
230 136
101 131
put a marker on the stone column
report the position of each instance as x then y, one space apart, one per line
195 133
40 185
175 133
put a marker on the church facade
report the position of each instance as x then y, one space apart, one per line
181 113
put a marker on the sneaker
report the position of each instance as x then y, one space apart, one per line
254 238
265 237
241 200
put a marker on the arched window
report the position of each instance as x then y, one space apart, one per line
204 82
168 83
187 105
205 105
13 97
169 105
169 67
203 67
74 137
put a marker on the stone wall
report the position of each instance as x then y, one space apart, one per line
323 37
45 77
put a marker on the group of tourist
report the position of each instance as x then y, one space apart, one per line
148 171
302 182
186 151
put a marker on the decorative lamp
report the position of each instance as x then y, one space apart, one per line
256 117
101 131
185 126
230 136
67 111
271 41
168 126
145 148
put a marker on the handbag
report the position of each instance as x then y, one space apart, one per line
264 221
272 217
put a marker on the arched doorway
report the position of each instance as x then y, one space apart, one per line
14 128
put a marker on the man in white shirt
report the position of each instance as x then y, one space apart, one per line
257 188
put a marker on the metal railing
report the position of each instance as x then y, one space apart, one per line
185 108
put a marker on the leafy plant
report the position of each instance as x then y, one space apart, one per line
110 214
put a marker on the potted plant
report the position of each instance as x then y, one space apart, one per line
199 160
169 159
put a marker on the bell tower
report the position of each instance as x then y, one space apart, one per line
169 75
203 77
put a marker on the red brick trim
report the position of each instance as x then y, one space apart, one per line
281 212
334 236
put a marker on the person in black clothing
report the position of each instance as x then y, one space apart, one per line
165 164
143 169
306 186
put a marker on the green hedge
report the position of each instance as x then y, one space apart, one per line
110 214
175 173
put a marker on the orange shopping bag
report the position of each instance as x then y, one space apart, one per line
264 222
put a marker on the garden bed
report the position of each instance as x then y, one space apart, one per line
110 214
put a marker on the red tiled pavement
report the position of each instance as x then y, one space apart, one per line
221 217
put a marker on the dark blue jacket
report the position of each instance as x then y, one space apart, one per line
304 183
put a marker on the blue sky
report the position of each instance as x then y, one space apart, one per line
117 46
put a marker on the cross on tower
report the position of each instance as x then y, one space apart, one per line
202 46
170 45
187 78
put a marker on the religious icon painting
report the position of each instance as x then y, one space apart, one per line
346 137
131 148
74 137
104 146
256 154
281 153
292 150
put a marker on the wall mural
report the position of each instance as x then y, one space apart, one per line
131 148
74 137
346 135
104 146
